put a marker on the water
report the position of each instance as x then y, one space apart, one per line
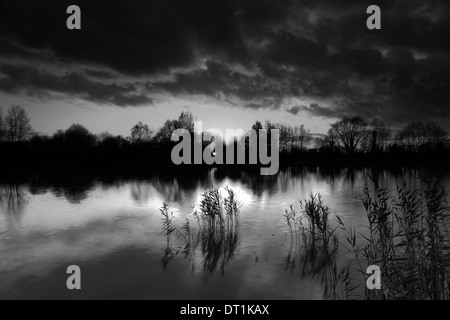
111 228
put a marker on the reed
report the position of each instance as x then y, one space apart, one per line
168 229
313 241
408 239
215 235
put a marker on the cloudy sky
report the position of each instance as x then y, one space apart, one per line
228 62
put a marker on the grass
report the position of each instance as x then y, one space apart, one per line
407 237
313 242
214 234
409 240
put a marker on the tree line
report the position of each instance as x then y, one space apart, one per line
352 135
349 136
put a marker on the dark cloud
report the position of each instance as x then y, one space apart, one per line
315 110
19 78
294 110
247 53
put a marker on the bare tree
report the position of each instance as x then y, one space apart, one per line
417 135
377 137
412 136
329 142
302 137
436 136
290 137
17 124
350 132
285 131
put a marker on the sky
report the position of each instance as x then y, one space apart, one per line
228 62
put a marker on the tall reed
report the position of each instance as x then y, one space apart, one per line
408 239
215 235
314 241
168 229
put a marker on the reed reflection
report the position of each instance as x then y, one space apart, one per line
212 233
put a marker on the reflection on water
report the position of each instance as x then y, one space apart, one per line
314 243
214 234
12 198
111 227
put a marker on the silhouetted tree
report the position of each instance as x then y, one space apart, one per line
417 136
109 143
101 137
436 136
77 138
329 142
186 121
412 136
302 137
58 138
78 144
290 137
40 144
164 134
285 136
141 133
350 132
17 124
377 137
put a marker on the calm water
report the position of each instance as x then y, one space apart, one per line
111 228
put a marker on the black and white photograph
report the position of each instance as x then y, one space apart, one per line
242 151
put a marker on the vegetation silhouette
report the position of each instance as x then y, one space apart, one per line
214 234
407 238
313 244
349 141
